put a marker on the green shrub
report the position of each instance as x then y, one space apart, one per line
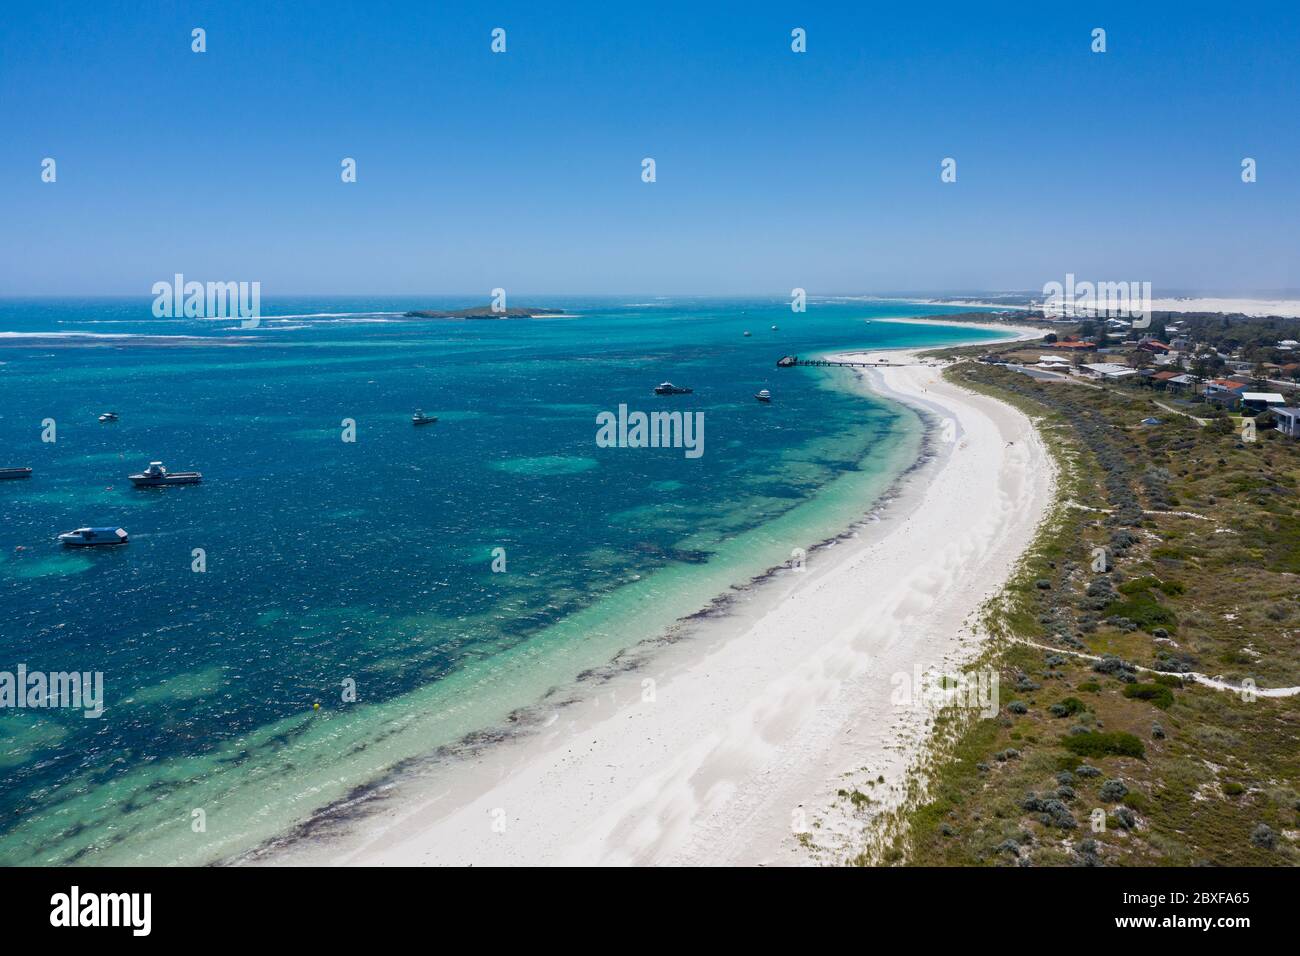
1099 744
1139 585
1158 694
1144 611
1068 707
1233 789
1091 686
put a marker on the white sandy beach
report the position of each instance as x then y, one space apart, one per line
728 741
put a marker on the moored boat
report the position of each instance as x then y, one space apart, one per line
15 472
419 418
108 417
93 537
763 395
156 474
668 388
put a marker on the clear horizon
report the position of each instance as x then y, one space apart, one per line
818 170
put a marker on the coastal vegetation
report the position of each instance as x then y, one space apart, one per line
1171 552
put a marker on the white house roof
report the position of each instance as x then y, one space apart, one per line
1287 412
1110 368
1263 397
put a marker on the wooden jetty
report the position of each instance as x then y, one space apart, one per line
790 361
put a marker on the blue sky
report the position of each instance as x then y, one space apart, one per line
522 170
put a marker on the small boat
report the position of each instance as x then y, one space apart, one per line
748 334
15 472
774 328
93 537
156 474
787 361
419 418
108 417
668 388
763 395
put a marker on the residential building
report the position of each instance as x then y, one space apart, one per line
1287 419
1108 371
1259 401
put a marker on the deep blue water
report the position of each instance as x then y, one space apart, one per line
370 560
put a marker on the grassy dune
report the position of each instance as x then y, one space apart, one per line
1123 761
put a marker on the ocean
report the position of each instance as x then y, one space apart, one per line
319 611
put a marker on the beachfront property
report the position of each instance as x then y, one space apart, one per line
1110 371
1195 373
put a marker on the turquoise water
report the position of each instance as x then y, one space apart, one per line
370 563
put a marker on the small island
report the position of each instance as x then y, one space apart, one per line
480 312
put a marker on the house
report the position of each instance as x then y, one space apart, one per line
1288 420
1108 371
1259 401
1073 345
1153 346
1181 383
1224 391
